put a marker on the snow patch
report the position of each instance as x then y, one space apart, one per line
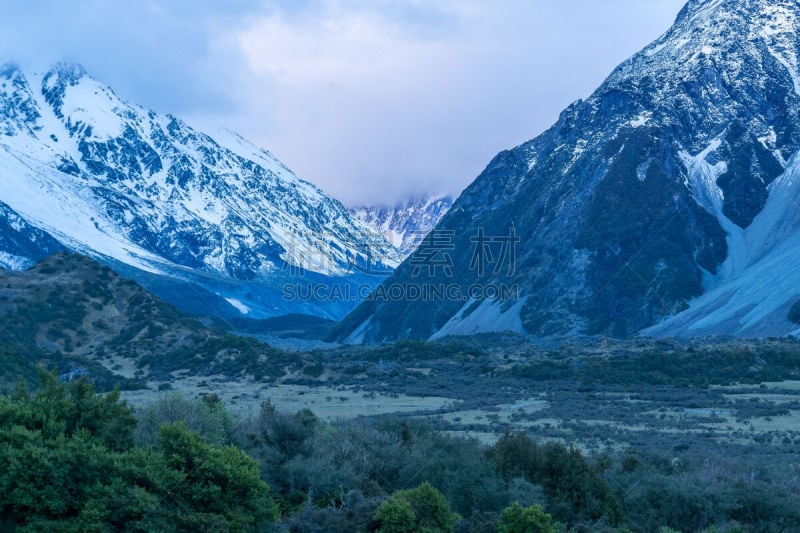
15 262
357 336
238 305
761 278
489 317
641 120
702 177
92 104
702 182
641 170
653 50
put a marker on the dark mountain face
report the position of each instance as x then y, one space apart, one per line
21 244
627 208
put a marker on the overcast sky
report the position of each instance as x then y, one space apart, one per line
373 100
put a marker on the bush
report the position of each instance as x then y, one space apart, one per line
423 509
574 488
205 417
68 462
518 519
219 487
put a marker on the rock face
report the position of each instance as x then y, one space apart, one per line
656 202
406 224
21 245
212 224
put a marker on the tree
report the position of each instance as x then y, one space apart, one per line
206 416
423 509
396 516
518 519
221 485
574 488
68 462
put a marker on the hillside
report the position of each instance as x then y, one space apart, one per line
74 315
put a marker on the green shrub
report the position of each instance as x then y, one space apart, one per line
423 509
518 519
68 462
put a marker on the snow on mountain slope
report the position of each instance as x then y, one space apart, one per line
405 225
762 279
661 197
135 188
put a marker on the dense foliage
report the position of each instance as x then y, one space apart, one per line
573 486
356 476
421 509
518 519
75 460
68 462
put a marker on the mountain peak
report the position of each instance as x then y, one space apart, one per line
405 224
9 69
720 32
66 69
695 8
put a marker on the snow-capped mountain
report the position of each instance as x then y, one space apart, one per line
213 224
407 223
666 200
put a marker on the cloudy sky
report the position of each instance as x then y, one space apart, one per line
373 100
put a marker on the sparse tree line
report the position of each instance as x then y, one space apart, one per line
75 460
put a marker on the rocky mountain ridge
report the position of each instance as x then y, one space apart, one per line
216 216
407 223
